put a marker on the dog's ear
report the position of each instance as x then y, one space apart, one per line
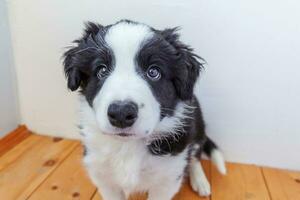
72 71
74 59
189 64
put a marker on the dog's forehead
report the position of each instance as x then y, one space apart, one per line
125 39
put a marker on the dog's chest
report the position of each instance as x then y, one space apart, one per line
130 165
122 163
125 164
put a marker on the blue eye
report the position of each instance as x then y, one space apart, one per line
153 72
102 71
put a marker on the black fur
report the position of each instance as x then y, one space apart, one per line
209 146
84 150
193 132
158 51
180 68
81 61
179 65
189 65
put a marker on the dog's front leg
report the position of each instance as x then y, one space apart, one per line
165 190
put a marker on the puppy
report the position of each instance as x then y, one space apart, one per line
141 123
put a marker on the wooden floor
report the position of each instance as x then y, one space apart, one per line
41 168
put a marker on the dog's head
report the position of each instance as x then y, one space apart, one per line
133 76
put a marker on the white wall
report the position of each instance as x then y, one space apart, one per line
250 91
9 118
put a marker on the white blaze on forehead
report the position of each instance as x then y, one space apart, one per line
125 40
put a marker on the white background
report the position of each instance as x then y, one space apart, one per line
250 91
9 116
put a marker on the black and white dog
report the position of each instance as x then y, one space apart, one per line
141 123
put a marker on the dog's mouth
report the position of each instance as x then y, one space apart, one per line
125 134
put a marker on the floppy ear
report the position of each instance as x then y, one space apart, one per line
189 65
76 57
72 72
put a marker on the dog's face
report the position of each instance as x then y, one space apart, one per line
133 76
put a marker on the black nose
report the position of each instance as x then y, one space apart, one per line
122 114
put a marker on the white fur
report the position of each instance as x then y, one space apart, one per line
218 159
174 123
198 179
125 40
119 168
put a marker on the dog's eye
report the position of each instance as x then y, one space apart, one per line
153 72
102 71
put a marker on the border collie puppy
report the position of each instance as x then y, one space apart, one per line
141 123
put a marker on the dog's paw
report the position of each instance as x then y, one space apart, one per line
200 185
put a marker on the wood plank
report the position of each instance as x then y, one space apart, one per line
185 193
97 196
11 156
13 138
241 182
20 179
139 196
68 181
282 184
